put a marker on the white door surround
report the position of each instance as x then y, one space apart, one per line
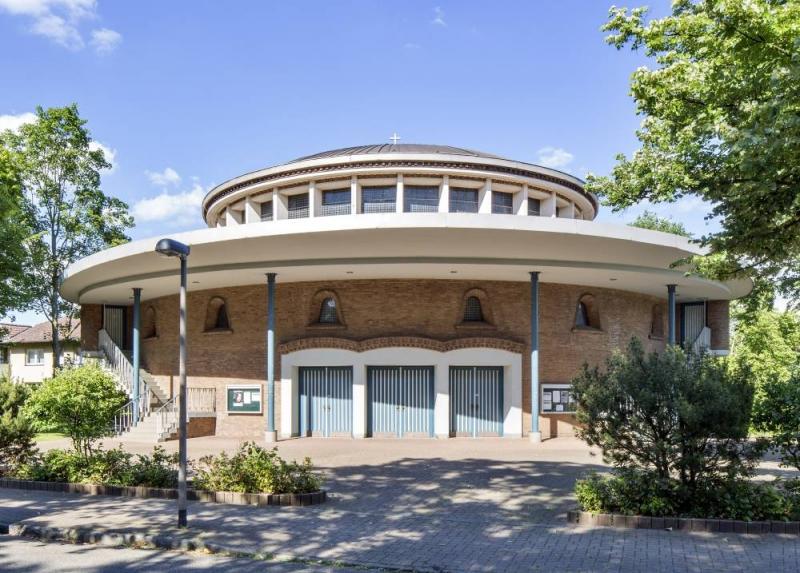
402 356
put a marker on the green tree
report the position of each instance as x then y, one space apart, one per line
767 345
67 213
80 402
13 232
720 121
649 220
676 416
778 413
16 431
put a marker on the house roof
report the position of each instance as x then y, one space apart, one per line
42 332
9 330
396 148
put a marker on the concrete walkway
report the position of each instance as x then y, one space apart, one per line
457 505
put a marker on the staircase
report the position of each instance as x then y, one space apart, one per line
156 418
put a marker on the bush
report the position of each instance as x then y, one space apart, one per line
668 415
635 492
778 414
111 467
80 402
16 432
253 469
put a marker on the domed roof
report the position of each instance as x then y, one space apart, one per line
396 148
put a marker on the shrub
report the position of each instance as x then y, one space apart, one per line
80 402
108 467
668 415
253 469
16 432
635 492
778 414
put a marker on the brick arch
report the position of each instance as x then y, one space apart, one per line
401 342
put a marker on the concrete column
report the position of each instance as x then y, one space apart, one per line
549 207
521 202
399 194
567 212
535 435
252 211
444 195
671 314
314 200
270 434
136 398
354 195
280 206
231 217
485 197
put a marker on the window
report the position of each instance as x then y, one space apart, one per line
502 203
327 311
586 313
463 200
217 316
558 398
472 310
34 357
379 199
657 322
3 355
534 207
149 323
335 202
298 206
266 211
420 199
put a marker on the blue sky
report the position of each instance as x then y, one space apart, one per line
188 94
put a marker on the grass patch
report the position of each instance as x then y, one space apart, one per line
49 436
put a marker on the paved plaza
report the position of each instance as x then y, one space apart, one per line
455 505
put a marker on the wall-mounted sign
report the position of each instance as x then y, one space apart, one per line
244 399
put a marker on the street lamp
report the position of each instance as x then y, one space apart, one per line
172 248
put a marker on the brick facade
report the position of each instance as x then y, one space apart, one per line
405 313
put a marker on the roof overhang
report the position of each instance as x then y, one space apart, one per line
402 246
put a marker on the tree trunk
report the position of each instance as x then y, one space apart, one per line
56 345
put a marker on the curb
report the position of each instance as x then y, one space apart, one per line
589 519
226 497
170 542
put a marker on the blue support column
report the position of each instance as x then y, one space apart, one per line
535 435
135 397
271 433
671 315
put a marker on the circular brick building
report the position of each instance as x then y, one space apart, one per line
418 291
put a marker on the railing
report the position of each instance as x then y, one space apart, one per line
166 419
334 209
461 206
116 360
389 206
201 401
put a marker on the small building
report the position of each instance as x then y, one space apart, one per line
28 351
397 290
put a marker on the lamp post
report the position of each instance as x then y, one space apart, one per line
171 248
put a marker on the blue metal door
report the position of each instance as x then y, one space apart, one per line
476 401
400 401
326 401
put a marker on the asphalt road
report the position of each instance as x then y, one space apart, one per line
29 556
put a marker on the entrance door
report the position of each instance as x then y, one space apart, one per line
114 323
476 401
693 320
326 401
400 401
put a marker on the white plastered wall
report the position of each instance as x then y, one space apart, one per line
441 361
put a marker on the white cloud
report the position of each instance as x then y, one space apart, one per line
105 41
411 46
554 157
109 153
167 177
13 122
177 208
59 21
438 18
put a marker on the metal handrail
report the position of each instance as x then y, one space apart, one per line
122 367
166 418
201 400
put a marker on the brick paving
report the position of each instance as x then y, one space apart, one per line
459 505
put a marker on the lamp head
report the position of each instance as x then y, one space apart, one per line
172 248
